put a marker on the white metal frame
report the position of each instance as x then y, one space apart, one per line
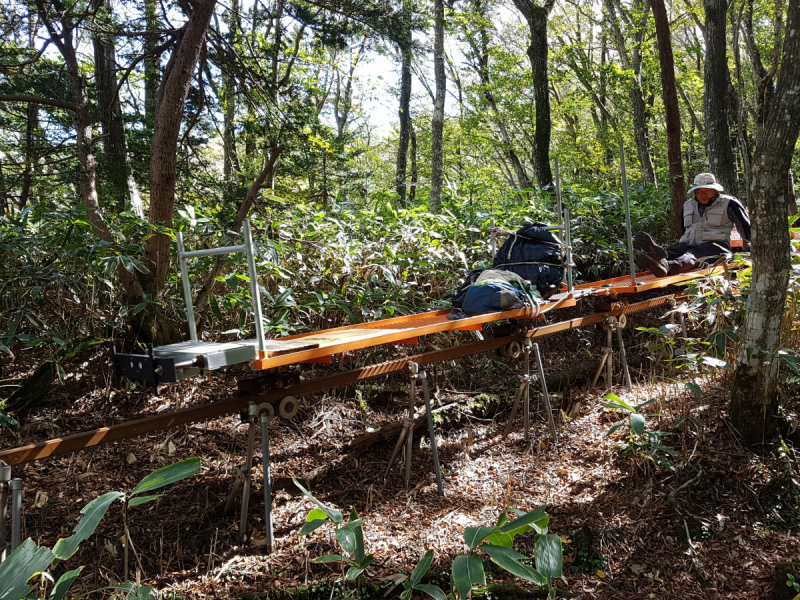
248 249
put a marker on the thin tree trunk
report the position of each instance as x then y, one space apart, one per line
719 149
673 115
537 55
228 139
115 160
480 64
754 395
152 68
633 61
405 117
164 146
412 193
437 122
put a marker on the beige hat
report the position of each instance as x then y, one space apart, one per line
705 180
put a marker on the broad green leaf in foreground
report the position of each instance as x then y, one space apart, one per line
549 557
92 513
510 561
22 564
467 571
167 475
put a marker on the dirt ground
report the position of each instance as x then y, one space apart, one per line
712 526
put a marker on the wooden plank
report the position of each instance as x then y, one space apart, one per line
279 347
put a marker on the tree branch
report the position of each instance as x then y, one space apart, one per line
37 100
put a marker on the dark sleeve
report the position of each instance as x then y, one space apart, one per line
737 214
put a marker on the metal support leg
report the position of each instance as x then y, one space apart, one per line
684 331
16 513
5 478
251 440
432 433
526 410
410 436
624 359
543 383
606 354
265 460
523 384
610 361
401 438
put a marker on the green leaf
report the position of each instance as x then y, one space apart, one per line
64 583
93 512
354 572
613 429
333 514
22 564
637 423
434 591
501 539
127 263
422 567
328 558
406 595
510 561
549 557
475 535
616 403
536 518
312 526
142 500
168 475
139 266
696 389
315 514
347 540
467 571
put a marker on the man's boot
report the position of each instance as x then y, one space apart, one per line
659 268
644 243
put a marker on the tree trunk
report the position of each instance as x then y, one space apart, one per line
537 55
228 139
164 145
754 394
405 117
115 160
633 61
673 114
719 149
152 63
437 122
412 193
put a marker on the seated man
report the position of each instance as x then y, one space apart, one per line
707 220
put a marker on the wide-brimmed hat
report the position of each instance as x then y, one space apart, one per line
705 180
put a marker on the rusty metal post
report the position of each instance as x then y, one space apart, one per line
252 415
543 383
265 460
413 367
432 433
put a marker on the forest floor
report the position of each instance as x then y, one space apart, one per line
712 526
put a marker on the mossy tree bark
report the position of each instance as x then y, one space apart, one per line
754 394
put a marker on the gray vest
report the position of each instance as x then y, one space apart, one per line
713 226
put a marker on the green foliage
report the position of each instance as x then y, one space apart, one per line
30 560
639 445
350 537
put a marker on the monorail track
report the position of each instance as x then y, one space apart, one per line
121 431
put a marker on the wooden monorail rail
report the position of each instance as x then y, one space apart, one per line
121 431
